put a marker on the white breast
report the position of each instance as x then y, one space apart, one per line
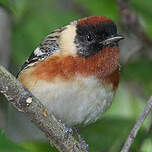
76 102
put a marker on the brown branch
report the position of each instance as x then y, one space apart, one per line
136 39
25 102
137 126
131 23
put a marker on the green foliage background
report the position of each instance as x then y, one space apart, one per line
34 19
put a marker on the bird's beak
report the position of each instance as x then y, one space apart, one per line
115 38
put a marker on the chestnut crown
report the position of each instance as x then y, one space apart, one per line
94 33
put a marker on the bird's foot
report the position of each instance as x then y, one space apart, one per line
83 143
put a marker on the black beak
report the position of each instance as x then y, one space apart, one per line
115 38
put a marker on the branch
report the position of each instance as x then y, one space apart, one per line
136 35
25 102
137 126
131 23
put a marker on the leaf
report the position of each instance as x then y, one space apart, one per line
106 8
109 134
147 145
4 2
38 146
139 71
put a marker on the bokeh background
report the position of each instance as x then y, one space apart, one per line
24 23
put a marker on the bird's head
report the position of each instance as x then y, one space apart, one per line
88 36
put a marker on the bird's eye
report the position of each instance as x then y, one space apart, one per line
90 37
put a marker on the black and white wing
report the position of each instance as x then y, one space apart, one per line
46 48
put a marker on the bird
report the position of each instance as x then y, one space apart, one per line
75 70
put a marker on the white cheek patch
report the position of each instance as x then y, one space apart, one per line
38 52
67 41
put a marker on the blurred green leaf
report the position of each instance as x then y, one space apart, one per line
139 71
147 145
38 146
132 71
101 7
109 134
7 145
4 2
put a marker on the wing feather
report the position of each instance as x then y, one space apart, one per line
47 47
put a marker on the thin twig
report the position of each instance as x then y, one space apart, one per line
137 126
25 102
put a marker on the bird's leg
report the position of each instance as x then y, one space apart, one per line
74 131
83 143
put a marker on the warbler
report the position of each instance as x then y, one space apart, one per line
74 71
